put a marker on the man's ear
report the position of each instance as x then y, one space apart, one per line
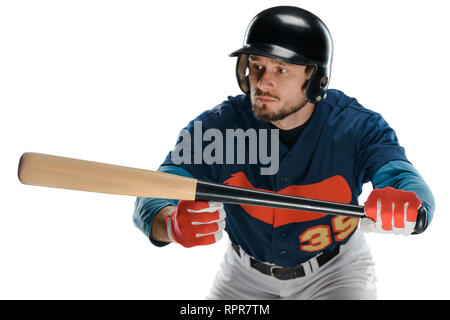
309 72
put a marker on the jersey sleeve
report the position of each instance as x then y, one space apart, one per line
376 145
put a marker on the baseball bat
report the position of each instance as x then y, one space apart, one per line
67 173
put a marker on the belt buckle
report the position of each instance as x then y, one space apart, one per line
272 268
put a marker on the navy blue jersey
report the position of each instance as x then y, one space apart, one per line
340 149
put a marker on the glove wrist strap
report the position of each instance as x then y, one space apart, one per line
169 229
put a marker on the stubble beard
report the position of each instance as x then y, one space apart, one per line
261 110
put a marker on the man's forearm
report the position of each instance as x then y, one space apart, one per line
158 231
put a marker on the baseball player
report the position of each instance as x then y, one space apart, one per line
329 146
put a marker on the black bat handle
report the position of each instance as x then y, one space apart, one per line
421 222
235 195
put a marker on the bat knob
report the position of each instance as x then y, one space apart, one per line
421 222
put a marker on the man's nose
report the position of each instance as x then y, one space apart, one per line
265 81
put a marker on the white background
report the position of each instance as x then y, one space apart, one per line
115 81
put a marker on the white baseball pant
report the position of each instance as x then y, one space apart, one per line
349 275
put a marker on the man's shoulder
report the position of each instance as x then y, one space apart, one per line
343 104
230 110
233 104
343 112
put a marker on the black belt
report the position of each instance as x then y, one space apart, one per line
287 273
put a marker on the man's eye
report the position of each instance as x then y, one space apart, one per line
281 70
259 68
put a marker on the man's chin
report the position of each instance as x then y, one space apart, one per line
262 112
267 116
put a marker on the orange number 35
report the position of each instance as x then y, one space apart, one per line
319 237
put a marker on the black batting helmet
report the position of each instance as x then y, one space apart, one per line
293 35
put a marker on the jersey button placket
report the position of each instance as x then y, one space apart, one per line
281 181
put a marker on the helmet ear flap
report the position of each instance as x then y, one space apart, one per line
317 85
241 73
309 74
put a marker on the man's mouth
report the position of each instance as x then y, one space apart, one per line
261 99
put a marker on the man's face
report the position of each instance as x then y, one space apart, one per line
275 88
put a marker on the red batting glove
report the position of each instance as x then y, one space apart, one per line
391 210
196 223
